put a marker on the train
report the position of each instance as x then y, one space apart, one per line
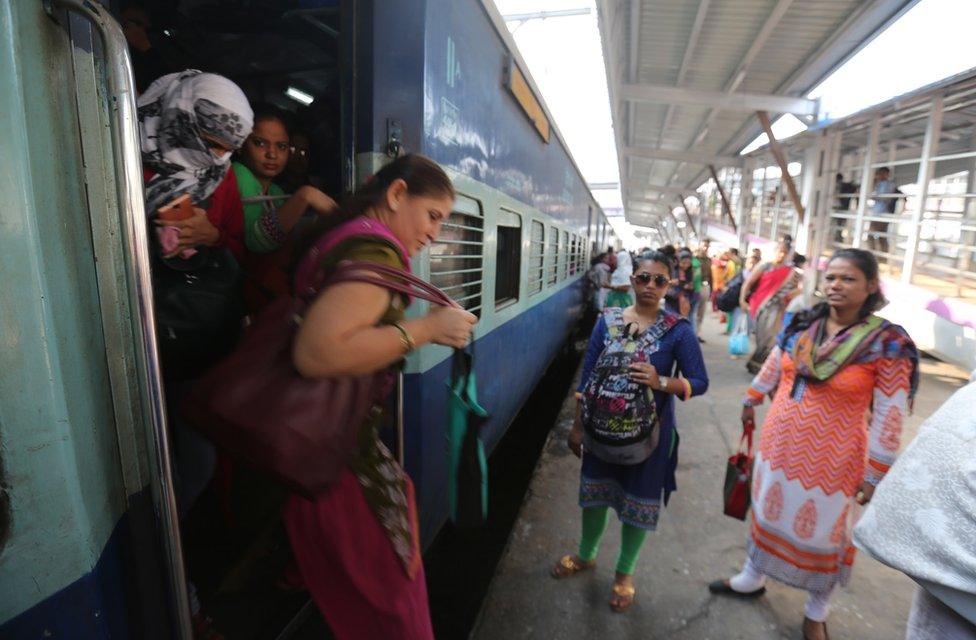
90 542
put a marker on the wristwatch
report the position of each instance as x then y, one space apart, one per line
662 383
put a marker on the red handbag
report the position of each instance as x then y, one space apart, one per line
737 492
260 410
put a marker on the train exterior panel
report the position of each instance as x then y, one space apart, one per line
454 93
81 551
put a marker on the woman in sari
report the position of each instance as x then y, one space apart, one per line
765 294
819 453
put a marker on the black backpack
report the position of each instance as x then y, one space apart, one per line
199 305
728 300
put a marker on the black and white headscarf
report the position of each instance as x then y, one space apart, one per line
174 112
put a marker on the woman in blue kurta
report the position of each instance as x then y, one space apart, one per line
636 492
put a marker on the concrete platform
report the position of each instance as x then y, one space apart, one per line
694 544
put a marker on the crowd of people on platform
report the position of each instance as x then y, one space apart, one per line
841 379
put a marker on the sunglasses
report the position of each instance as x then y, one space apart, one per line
646 278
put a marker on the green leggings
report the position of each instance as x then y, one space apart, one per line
631 538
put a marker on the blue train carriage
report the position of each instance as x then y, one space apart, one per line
446 80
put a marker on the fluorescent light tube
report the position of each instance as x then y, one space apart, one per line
299 96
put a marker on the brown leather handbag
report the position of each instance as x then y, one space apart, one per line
255 406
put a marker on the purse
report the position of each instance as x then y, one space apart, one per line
199 309
255 406
737 491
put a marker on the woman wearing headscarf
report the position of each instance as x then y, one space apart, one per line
619 294
766 293
189 125
843 380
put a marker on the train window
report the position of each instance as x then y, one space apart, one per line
552 271
457 258
537 250
508 258
566 256
574 255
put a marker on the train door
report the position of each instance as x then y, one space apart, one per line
91 501
82 227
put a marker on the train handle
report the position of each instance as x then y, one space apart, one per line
127 159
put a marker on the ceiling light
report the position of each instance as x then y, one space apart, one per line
681 224
299 96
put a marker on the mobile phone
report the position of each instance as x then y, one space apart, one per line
179 209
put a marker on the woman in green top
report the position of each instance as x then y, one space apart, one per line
263 157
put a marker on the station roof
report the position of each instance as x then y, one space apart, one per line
686 78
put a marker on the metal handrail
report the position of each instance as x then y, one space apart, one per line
127 158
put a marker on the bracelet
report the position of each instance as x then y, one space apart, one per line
405 338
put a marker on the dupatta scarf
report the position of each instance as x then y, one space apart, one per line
873 337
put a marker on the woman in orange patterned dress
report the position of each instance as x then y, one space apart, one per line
843 379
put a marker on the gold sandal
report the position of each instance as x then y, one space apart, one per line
625 595
569 566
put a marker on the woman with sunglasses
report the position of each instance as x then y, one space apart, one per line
653 341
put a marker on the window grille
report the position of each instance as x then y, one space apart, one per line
565 256
457 258
552 271
537 249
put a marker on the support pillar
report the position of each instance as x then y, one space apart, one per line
867 181
721 193
777 150
743 207
967 238
930 147
814 163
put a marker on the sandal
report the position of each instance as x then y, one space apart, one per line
803 628
623 596
569 566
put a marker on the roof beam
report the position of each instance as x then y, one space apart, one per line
718 99
647 201
773 19
660 188
690 47
694 157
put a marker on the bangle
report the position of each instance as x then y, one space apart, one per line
405 338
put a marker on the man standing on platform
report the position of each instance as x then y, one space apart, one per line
705 295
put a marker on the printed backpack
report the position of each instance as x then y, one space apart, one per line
620 423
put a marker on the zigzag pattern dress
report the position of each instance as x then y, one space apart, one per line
819 441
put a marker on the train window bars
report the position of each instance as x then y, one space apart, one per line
537 249
457 258
565 256
508 258
552 271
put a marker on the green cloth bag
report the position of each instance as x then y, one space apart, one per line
467 467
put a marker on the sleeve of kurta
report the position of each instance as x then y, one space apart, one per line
691 364
766 380
597 339
891 389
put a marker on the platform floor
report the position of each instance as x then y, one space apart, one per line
694 544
